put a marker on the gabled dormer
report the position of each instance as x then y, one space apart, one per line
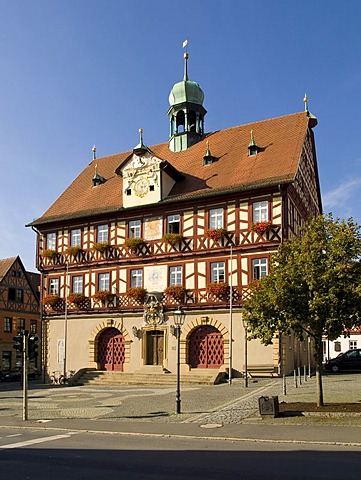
147 179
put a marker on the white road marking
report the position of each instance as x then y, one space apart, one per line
26 443
14 435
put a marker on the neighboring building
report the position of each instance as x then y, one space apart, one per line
193 221
332 349
19 308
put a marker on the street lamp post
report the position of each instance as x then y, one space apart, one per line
245 354
179 317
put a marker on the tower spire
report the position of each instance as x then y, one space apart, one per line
185 78
305 100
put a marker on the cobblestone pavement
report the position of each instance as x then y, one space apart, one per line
240 409
216 404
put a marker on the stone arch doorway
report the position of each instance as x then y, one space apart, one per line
111 350
206 347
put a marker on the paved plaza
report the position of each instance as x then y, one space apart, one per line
220 404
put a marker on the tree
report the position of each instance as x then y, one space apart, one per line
313 288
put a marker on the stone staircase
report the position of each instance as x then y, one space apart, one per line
97 377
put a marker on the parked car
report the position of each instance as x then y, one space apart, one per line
15 375
11 375
350 360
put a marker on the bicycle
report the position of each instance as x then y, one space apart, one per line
58 378
55 378
63 379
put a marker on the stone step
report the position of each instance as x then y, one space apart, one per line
121 378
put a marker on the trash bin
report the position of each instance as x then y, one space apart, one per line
268 406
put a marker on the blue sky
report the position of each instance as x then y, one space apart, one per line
81 72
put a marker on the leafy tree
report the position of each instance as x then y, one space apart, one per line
313 288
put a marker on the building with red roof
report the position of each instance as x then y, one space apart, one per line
189 224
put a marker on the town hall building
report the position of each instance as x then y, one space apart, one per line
184 225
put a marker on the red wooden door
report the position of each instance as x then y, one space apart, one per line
111 350
206 348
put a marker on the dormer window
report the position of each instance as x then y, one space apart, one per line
252 151
97 179
253 148
208 158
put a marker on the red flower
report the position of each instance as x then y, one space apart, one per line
215 233
261 227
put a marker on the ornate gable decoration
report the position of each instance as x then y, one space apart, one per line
153 311
145 168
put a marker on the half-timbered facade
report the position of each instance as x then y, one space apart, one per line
19 308
190 222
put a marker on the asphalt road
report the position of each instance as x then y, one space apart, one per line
42 455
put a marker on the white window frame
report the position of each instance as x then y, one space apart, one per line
77 284
176 275
216 218
135 229
218 272
104 281
53 286
102 233
174 224
51 241
136 278
352 344
259 268
260 211
75 237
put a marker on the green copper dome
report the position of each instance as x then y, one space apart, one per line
186 91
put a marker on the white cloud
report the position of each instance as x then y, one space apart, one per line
344 200
342 193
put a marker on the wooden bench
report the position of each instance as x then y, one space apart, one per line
262 371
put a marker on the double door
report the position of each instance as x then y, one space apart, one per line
154 347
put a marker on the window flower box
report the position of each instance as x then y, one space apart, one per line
52 300
175 292
261 227
101 247
103 296
50 254
73 251
172 238
215 233
76 299
134 244
218 290
137 293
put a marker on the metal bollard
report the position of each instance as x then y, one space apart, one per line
304 373
295 378
284 385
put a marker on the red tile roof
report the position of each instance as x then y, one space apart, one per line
5 264
280 140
